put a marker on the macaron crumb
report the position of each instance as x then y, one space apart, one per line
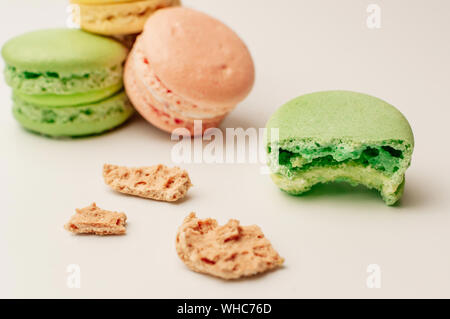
229 252
157 182
96 221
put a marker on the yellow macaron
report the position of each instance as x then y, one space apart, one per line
116 17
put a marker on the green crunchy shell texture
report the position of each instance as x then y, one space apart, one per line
30 82
298 164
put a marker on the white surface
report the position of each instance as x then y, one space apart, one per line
327 240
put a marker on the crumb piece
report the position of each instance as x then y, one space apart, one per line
229 252
155 182
94 220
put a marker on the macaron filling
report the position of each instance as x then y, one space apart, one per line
299 164
62 100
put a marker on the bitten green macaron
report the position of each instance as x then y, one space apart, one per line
66 82
339 136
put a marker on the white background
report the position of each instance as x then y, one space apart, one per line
328 237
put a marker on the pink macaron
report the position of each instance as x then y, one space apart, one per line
187 66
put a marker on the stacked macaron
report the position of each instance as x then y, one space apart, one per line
116 17
66 82
187 66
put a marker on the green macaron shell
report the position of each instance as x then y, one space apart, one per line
339 136
62 50
73 121
62 61
63 100
340 114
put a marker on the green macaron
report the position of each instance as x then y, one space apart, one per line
66 82
339 136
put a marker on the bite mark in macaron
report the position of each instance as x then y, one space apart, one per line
339 136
